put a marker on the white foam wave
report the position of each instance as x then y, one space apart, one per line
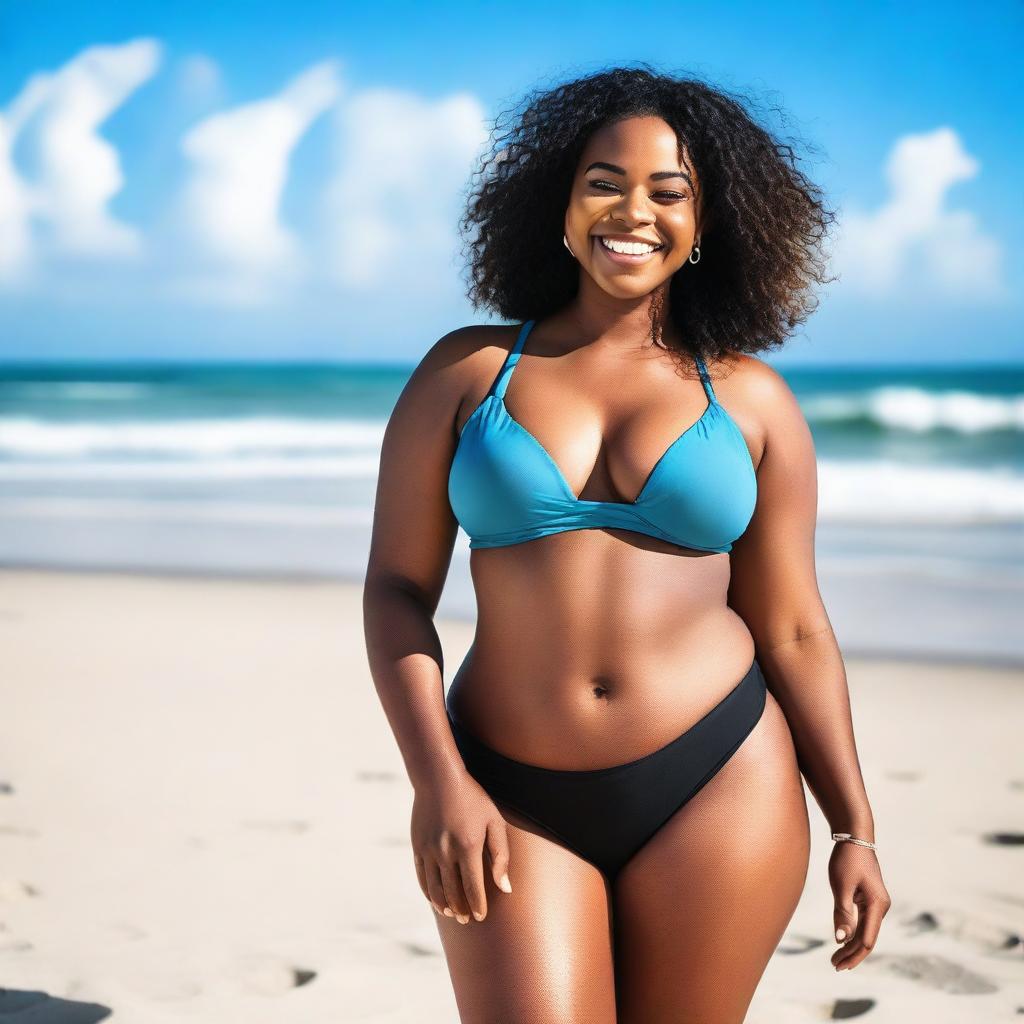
251 513
849 491
192 438
898 492
920 411
342 467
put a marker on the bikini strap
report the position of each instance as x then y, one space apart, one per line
705 379
501 381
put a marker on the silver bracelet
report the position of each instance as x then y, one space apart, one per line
845 837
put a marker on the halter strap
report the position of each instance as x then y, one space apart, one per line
705 379
501 381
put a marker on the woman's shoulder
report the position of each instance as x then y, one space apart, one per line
451 367
464 344
758 398
751 378
462 353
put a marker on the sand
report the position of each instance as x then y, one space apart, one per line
204 816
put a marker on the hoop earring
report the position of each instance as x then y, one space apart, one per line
695 251
565 242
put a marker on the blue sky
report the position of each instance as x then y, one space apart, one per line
199 181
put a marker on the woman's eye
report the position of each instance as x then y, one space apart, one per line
605 186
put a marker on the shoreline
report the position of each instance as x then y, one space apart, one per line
965 659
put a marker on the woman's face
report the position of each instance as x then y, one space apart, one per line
631 191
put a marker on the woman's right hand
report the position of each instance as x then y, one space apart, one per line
453 823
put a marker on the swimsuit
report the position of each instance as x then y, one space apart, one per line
605 815
505 489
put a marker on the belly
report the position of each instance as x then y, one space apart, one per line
593 648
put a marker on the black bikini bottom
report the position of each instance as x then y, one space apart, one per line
606 814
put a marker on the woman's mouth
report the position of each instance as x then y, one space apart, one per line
626 253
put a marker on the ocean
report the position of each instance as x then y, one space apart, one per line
270 470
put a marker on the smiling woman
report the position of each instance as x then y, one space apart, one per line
730 195
652 667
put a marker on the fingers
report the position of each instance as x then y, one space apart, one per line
844 917
455 897
497 850
471 870
435 888
454 879
421 874
427 879
873 909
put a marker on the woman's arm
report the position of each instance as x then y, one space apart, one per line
774 589
410 550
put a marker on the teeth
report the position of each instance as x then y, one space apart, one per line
628 248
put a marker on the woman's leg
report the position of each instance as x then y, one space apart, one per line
701 907
544 951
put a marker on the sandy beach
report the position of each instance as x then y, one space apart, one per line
204 817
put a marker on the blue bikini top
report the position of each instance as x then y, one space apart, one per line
505 488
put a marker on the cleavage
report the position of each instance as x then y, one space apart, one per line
642 449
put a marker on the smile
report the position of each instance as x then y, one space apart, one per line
627 252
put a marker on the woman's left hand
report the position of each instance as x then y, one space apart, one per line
861 901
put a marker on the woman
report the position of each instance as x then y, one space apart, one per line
609 818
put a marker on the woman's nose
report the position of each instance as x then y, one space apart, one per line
634 209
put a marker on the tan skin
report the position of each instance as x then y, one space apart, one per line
595 647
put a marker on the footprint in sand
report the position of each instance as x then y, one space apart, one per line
985 936
9 944
270 977
1004 838
935 972
847 1009
11 889
46 1009
127 931
792 943
376 776
422 941
926 921
417 950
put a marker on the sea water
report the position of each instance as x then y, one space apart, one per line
262 469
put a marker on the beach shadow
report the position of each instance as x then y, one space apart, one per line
41 1008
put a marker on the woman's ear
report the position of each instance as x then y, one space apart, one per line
704 220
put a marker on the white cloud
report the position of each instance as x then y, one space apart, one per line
393 200
913 242
15 204
199 79
231 202
78 172
390 204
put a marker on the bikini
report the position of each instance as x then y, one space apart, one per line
504 488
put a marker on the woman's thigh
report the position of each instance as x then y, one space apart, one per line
544 951
701 907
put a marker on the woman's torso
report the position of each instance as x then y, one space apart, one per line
594 647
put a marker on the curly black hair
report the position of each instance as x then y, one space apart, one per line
761 254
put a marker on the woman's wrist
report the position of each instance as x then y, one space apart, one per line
439 773
858 828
